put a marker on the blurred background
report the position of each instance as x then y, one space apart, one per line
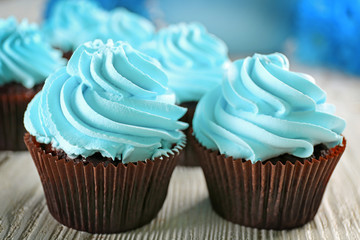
314 32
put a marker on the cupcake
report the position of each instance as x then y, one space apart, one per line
25 62
123 25
194 61
75 22
105 138
268 143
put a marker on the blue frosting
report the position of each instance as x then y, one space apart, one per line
110 99
193 59
263 110
137 6
75 22
123 25
24 55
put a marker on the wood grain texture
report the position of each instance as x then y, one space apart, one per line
187 212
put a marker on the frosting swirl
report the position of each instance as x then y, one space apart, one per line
263 110
123 25
76 22
193 59
24 56
73 23
109 99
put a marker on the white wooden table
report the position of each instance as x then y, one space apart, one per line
187 212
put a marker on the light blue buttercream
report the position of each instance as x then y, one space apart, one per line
76 22
263 110
24 55
73 23
193 59
110 99
123 25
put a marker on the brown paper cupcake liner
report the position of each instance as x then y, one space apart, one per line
188 156
13 102
102 198
266 195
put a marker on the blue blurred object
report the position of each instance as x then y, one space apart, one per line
246 26
328 33
137 6
75 22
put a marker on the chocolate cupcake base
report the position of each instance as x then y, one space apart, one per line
14 99
267 195
102 197
67 55
188 156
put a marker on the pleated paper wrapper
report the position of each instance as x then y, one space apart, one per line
103 199
266 196
12 107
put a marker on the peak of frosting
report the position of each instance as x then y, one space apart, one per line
190 46
24 55
109 99
117 68
263 110
76 22
193 59
264 84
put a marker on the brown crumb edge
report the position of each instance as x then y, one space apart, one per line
320 150
94 159
17 88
